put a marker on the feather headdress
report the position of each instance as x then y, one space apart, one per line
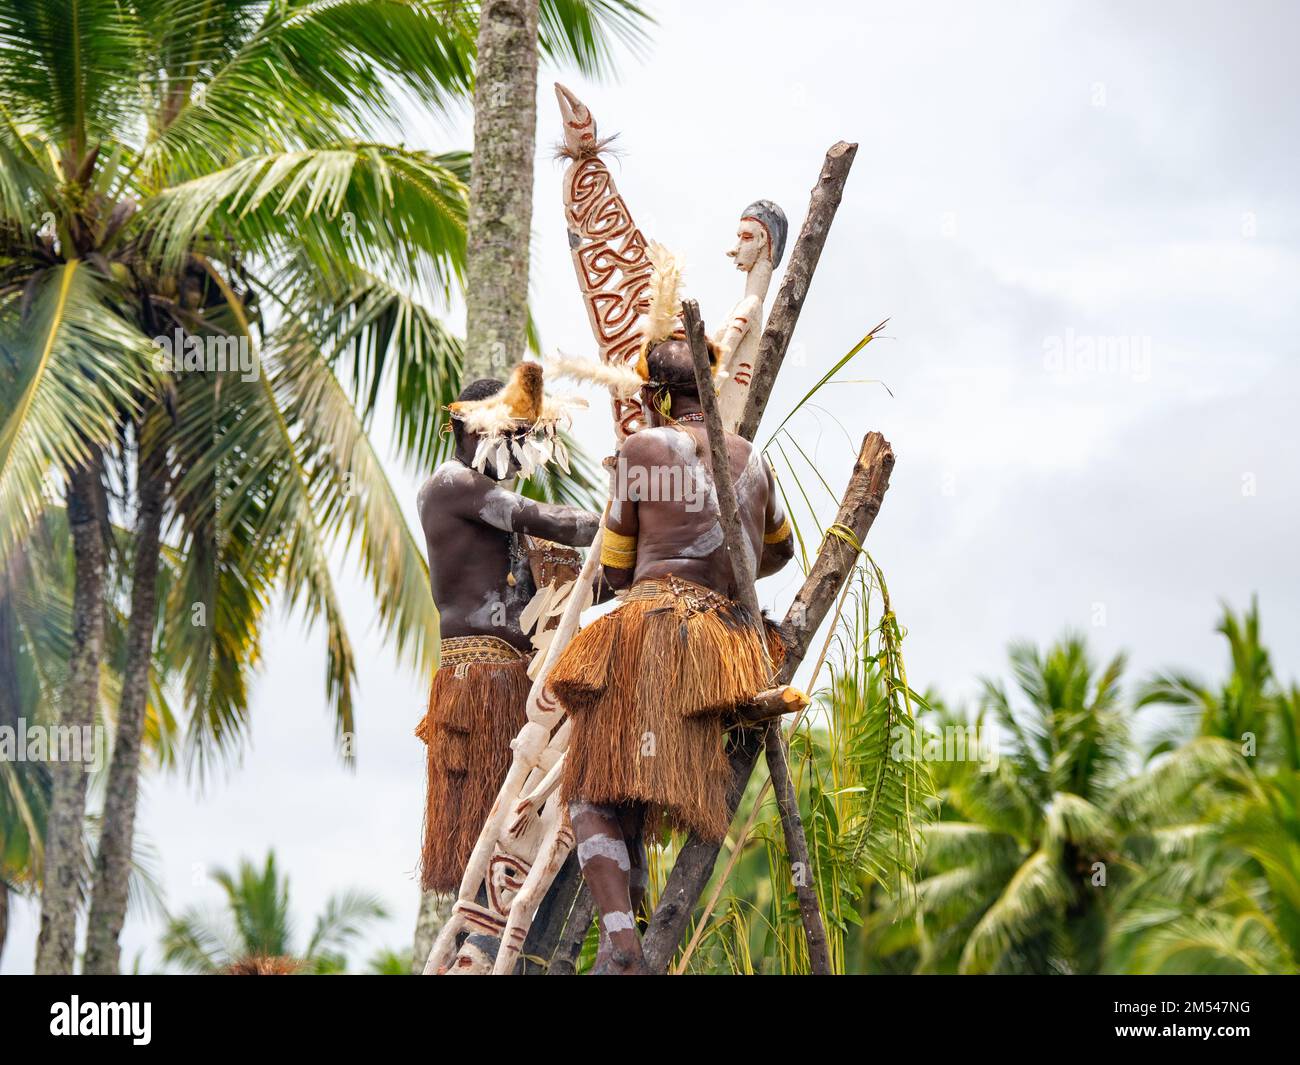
520 420
663 317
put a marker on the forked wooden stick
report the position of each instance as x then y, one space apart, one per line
835 561
743 578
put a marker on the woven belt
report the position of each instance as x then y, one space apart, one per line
694 597
461 651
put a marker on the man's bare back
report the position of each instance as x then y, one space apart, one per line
473 529
666 499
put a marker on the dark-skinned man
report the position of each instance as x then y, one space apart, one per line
649 687
481 579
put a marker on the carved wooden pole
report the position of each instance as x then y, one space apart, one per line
743 578
834 562
781 321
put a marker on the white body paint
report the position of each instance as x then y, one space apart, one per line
619 922
615 850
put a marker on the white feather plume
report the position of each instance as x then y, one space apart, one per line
489 418
621 379
665 304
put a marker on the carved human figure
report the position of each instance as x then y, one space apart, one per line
649 686
481 580
760 244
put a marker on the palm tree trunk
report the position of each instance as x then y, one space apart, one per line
56 946
113 864
433 913
501 188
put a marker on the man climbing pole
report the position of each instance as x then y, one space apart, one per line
649 687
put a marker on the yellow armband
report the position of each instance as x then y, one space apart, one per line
783 533
617 550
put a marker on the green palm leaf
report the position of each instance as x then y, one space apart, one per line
71 367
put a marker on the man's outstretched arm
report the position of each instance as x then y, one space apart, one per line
511 512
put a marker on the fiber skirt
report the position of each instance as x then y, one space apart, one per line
649 688
477 705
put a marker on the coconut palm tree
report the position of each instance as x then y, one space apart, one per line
1217 888
501 178
1214 823
1241 709
1012 869
256 923
35 638
207 172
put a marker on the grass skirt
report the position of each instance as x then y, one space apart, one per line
477 705
649 687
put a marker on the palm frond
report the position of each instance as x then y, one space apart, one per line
71 67
338 207
1035 892
69 367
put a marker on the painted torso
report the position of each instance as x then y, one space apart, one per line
682 534
471 559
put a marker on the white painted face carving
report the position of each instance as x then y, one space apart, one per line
751 244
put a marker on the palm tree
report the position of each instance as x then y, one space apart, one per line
1214 823
36 624
501 177
1217 888
203 171
1241 710
499 226
256 923
1010 871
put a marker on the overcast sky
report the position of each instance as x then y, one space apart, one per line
1034 181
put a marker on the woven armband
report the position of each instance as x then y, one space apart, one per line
783 533
617 550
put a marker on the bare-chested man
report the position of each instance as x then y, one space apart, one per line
648 687
481 580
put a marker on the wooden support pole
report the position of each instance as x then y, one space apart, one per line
547 929
789 300
835 560
742 572
564 962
